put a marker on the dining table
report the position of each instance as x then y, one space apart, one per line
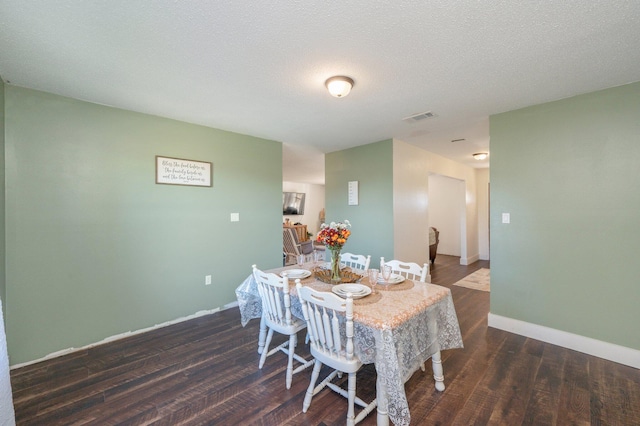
397 327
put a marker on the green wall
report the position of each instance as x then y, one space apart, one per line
568 172
372 219
95 248
3 280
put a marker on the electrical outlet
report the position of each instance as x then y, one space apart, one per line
207 280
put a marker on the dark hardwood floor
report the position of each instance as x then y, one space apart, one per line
205 371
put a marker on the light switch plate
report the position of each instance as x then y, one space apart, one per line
235 217
506 218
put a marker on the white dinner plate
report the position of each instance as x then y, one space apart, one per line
394 279
357 290
353 288
298 273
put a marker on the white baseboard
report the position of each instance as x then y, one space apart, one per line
469 260
126 334
233 304
587 345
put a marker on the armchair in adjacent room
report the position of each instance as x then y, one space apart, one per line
434 239
292 247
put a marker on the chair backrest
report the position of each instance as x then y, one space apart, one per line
327 315
293 247
276 301
290 242
356 261
434 236
409 270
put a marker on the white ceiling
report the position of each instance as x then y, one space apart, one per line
259 68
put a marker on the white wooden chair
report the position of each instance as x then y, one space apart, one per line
328 316
357 262
276 312
292 247
409 270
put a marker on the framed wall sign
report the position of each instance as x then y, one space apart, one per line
178 171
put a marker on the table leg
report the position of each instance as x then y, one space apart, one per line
438 373
383 403
262 336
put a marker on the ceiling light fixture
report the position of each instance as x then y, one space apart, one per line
339 86
480 155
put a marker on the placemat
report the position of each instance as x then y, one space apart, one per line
305 281
404 285
368 300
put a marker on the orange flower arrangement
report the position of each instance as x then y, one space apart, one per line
334 235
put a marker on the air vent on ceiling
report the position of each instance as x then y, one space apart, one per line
419 117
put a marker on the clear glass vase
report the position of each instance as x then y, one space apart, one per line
335 265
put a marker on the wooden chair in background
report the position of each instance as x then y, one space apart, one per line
292 247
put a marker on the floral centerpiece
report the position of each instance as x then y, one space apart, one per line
334 236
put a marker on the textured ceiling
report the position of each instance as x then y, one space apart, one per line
259 68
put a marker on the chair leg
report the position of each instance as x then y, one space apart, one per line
292 347
262 336
351 389
312 384
305 363
265 350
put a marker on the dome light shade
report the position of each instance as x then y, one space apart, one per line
339 86
480 155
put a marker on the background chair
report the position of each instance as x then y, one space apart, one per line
356 262
328 317
409 270
276 311
292 247
434 239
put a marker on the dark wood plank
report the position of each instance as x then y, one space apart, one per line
463 371
543 405
205 371
487 393
574 394
516 388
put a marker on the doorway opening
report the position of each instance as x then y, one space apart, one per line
448 213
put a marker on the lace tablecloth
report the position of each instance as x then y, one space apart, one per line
398 333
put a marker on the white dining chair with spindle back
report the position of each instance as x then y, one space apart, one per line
357 262
276 312
328 318
409 270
